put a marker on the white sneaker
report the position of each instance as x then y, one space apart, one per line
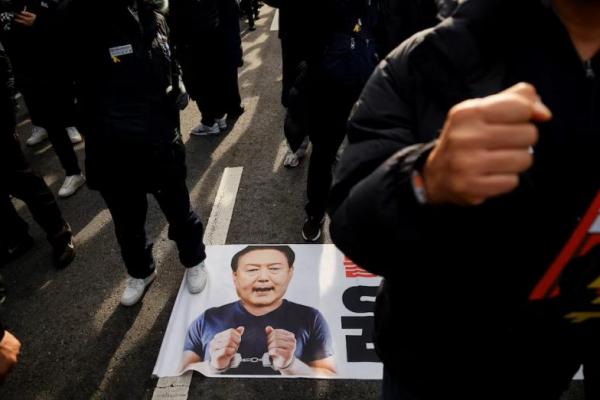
205 130
71 184
135 289
74 135
38 135
291 160
196 278
222 122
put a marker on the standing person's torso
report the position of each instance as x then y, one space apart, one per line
122 62
479 265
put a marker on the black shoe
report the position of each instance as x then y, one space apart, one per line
311 230
64 255
235 112
17 249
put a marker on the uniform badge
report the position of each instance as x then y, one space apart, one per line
116 52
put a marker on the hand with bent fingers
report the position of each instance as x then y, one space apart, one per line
25 18
484 146
223 347
281 345
9 353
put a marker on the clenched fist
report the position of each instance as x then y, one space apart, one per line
223 346
281 345
9 352
484 146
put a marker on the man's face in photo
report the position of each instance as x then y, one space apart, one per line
262 277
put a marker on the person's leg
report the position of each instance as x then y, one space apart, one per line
128 209
57 133
32 189
31 96
14 232
208 88
24 184
13 226
185 228
290 59
328 129
232 101
55 104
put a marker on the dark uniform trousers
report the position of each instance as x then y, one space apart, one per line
51 106
19 180
129 206
329 111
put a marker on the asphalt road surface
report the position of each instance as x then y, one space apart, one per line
78 343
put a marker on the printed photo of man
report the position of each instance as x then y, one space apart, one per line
262 333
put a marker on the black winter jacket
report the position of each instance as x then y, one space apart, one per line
194 22
37 52
455 276
122 65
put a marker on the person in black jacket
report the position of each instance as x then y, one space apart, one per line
472 195
129 99
31 30
208 45
18 179
341 59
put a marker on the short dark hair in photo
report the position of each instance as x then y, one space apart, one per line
285 250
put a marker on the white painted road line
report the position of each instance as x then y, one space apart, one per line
220 217
275 24
177 388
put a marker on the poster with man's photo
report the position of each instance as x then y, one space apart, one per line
275 310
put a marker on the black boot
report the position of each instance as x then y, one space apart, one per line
64 248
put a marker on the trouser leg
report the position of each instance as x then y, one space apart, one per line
128 209
327 136
32 189
209 91
232 100
13 226
63 147
185 227
46 104
290 60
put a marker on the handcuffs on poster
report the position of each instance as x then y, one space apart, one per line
265 360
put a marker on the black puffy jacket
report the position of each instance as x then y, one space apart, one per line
37 52
456 276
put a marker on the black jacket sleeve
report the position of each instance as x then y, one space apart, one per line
375 214
7 92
